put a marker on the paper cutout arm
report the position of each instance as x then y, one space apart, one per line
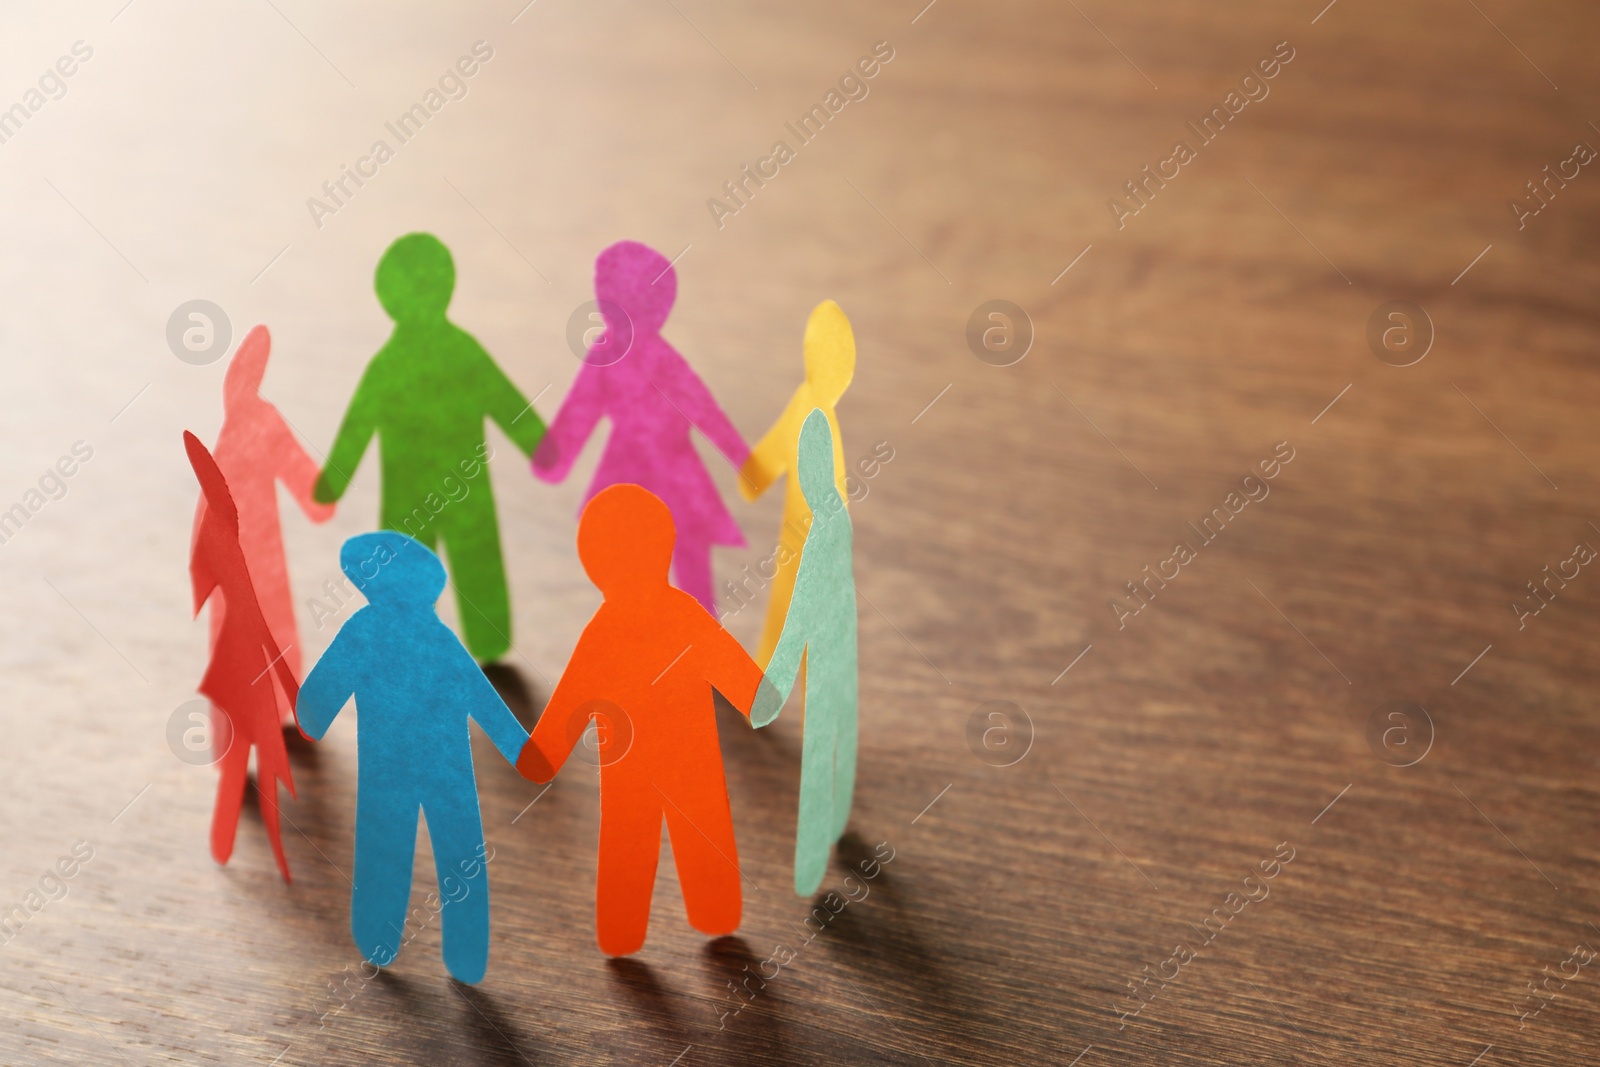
784 666
280 667
297 471
496 719
359 425
505 404
328 687
552 739
729 667
683 387
579 415
769 459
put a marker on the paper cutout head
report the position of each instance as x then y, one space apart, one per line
391 568
637 280
816 465
830 349
416 278
242 382
618 563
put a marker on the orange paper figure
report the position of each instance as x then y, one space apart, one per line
244 660
255 451
830 353
644 670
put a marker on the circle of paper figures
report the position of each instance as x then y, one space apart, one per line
641 678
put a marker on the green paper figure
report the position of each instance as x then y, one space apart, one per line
819 631
425 394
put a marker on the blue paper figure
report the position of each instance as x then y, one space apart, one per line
415 687
819 632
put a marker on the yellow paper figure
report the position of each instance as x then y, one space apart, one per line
830 354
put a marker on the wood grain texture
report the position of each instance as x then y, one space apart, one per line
1229 717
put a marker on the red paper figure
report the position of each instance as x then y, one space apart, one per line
244 659
255 451
644 669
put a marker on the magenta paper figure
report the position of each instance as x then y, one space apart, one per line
256 450
654 398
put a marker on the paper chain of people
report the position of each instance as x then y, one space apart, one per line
647 661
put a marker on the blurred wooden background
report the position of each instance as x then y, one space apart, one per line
1229 718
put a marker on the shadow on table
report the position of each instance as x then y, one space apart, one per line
482 1016
750 1013
516 690
895 977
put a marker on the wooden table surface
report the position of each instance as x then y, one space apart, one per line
1046 864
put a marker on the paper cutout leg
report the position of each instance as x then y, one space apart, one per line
234 766
457 835
813 834
708 863
846 738
472 545
386 845
630 849
267 792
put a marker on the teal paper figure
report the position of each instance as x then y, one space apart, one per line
415 687
820 632
425 395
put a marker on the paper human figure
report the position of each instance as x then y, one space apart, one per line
821 627
830 358
644 670
415 687
654 399
255 451
245 659
425 395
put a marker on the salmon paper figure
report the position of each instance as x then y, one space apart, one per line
415 688
820 628
830 356
426 395
255 451
644 670
654 399
245 659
